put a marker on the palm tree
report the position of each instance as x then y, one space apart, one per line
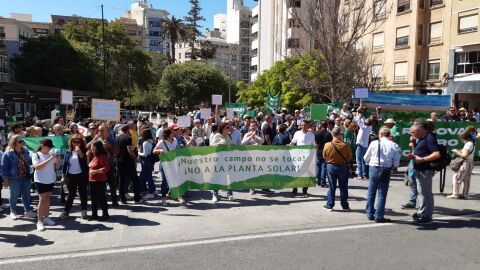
173 29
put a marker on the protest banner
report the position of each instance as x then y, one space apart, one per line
239 167
217 99
104 109
447 133
184 121
205 113
66 97
60 142
318 112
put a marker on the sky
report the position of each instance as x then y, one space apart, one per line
42 9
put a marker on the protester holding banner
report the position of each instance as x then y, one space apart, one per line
303 137
75 174
282 137
44 176
222 138
98 168
253 137
337 155
168 143
464 173
146 162
16 163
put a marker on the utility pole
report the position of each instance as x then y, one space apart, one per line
230 80
103 54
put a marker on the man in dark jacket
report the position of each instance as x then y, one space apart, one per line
322 136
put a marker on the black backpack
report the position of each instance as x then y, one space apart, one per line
444 159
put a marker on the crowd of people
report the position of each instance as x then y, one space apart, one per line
348 144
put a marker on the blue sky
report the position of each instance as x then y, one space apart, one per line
42 9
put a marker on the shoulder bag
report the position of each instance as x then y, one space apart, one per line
457 162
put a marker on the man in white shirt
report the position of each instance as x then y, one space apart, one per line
382 156
303 137
365 128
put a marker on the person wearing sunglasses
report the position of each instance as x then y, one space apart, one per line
16 163
75 174
92 134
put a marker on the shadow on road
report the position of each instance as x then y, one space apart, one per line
450 224
24 241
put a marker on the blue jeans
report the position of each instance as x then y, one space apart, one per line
321 169
378 179
360 153
424 185
146 176
20 187
412 197
337 173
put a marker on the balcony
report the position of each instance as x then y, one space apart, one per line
255 44
291 13
254 61
255 28
255 11
253 76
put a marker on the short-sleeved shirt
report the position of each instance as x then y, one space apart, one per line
267 130
469 147
425 147
45 175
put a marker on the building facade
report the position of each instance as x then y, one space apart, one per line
276 33
220 23
57 22
149 19
464 54
133 30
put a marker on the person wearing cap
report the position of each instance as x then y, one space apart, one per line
44 176
390 123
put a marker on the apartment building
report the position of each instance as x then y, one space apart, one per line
57 22
227 58
408 45
220 23
149 19
3 56
276 33
39 28
464 54
133 30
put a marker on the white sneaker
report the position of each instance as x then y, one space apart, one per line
231 198
164 201
214 199
181 200
30 214
148 196
40 227
48 221
13 216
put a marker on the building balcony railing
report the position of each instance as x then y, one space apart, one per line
401 42
400 79
434 40
468 30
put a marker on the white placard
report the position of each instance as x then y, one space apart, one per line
230 114
66 97
183 121
104 109
360 93
205 113
217 99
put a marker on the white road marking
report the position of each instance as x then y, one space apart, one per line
190 243
208 241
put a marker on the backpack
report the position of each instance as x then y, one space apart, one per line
443 161
154 158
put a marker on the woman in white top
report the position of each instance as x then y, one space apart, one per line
144 153
45 165
464 174
222 138
168 143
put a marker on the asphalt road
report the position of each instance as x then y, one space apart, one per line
449 243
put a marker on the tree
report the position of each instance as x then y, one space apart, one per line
125 64
52 61
187 84
336 29
159 62
207 50
173 29
192 21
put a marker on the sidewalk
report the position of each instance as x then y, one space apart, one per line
151 223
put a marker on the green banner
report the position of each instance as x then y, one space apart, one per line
319 111
448 133
251 113
239 167
60 142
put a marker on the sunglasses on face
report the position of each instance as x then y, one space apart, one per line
92 129
76 142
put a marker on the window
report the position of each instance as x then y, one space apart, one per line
154 43
435 32
400 72
295 3
421 4
359 44
420 34
377 73
418 71
2 31
436 2
467 62
379 9
468 24
403 6
402 37
154 23
179 55
293 43
433 70
154 33
378 42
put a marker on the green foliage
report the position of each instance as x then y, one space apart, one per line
52 61
124 63
144 98
159 62
187 84
292 77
